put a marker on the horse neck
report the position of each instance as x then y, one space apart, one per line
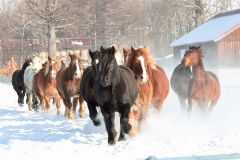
198 70
25 65
50 80
69 74
116 72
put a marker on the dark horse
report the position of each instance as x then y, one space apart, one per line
86 86
115 90
17 81
204 86
68 80
180 81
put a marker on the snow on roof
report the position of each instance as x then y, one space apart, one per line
209 31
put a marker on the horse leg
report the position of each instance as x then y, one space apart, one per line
158 105
29 101
47 101
110 127
124 119
212 105
133 120
58 100
81 108
35 102
93 114
68 108
75 103
19 97
183 104
190 103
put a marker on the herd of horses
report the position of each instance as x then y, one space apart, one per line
129 89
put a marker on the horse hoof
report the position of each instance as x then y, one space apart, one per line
127 128
133 132
121 138
21 104
81 115
97 122
111 142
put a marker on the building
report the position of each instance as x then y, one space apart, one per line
19 50
219 38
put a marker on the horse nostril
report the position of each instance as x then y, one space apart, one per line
141 77
106 78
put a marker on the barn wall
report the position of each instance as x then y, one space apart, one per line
229 49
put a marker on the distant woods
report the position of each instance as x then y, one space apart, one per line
155 23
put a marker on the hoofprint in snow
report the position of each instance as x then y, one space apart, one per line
45 135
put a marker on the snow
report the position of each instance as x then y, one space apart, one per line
209 31
45 135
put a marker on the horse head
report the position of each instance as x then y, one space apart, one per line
107 66
126 55
75 66
95 59
28 62
192 57
51 67
36 63
139 64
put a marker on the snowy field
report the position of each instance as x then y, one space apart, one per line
44 135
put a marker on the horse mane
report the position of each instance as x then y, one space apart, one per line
26 64
147 57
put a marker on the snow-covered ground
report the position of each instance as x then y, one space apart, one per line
45 135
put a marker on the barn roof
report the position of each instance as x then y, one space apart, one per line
213 30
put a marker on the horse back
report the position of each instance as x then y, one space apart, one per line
86 85
17 80
180 80
160 83
128 86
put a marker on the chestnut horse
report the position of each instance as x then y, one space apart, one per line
68 86
152 81
45 84
204 86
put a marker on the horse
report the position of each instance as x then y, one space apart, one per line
204 86
68 86
17 81
151 79
115 90
29 73
45 83
86 87
180 81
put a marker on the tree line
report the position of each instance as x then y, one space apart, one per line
154 23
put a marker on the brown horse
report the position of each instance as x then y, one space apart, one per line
204 86
68 86
152 81
45 83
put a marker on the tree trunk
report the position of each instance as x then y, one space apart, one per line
51 39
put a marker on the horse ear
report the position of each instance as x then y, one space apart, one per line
113 50
133 50
101 49
90 53
49 58
199 47
125 52
71 56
